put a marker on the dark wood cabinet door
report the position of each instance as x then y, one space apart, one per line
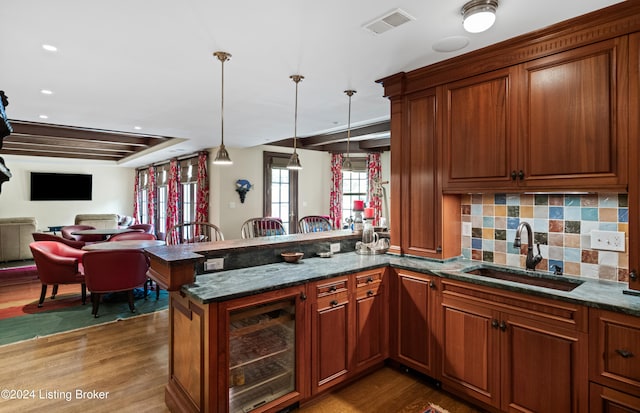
330 330
573 118
420 192
413 307
634 162
371 319
470 350
539 359
478 148
605 400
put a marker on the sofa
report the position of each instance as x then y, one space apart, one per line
15 237
98 221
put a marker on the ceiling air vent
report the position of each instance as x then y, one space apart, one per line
389 21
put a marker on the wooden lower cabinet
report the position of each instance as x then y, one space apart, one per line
238 355
606 400
513 352
349 330
614 361
412 307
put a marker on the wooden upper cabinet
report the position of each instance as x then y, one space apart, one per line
477 131
430 221
553 123
572 115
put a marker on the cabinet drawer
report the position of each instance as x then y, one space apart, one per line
364 280
331 287
369 290
615 346
333 300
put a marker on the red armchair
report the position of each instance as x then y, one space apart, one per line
41 236
58 263
148 228
131 235
67 233
109 271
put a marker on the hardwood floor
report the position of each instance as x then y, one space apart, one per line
129 359
386 391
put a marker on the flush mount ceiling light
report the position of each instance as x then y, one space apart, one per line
294 161
479 15
222 157
346 165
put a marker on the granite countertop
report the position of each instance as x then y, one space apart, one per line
226 285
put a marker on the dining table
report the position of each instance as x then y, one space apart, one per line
123 245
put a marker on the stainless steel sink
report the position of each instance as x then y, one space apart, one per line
538 279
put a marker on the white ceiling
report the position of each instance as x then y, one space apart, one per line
126 63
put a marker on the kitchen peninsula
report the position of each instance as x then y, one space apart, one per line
272 335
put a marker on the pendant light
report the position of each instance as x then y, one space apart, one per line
294 161
346 164
222 157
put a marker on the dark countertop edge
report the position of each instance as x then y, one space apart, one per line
175 254
452 269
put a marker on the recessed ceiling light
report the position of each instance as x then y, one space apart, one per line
49 48
450 44
46 92
44 117
137 127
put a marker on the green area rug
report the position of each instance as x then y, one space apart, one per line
71 318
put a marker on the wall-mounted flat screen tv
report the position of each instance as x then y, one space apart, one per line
48 186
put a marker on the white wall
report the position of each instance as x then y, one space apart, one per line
226 210
112 190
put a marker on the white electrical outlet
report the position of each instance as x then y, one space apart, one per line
608 240
466 229
213 264
335 248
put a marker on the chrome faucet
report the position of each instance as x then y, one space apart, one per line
531 260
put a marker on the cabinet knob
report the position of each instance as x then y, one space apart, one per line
432 284
624 353
369 280
333 288
494 323
521 174
633 275
503 326
513 175
303 296
333 303
370 293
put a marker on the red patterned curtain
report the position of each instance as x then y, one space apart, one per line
202 196
136 189
375 176
172 197
151 195
335 197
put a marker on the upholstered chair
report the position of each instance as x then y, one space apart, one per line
58 263
148 228
132 235
108 271
67 233
43 236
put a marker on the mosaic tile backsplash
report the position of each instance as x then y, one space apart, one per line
562 224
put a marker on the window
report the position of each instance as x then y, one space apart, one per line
188 189
354 187
280 198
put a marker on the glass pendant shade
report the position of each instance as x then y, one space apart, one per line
346 164
222 157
